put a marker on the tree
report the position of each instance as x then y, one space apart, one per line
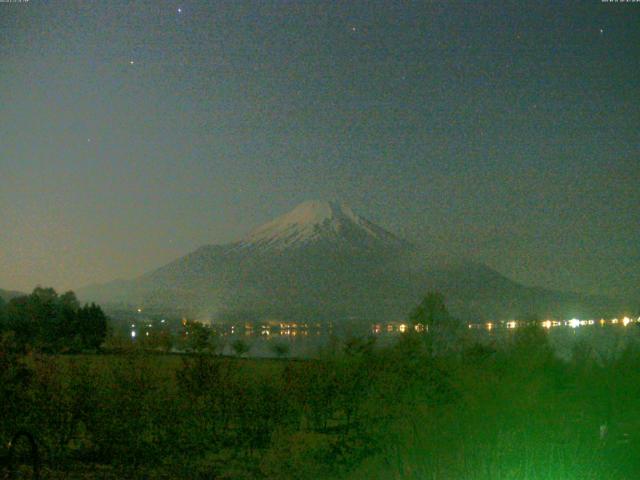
158 340
280 349
359 347
46 321
240 347
92 326
69 301
3 319
431 311
198 338
62 331
446 334
24 319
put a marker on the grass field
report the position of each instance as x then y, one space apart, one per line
478 413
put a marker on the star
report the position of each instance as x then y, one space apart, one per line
353 29
601 31
131 62
179 10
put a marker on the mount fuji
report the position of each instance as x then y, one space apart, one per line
321 261
320 223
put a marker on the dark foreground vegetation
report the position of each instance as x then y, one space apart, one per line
432 406
396 412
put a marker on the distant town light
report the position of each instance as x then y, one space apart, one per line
133 334
574 323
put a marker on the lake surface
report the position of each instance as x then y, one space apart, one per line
606 337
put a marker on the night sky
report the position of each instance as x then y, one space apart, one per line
133 132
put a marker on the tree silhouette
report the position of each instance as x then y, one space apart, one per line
3 314
431 311
240 347
92 326
49 322
199 337
280 349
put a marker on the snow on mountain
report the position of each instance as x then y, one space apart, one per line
314 221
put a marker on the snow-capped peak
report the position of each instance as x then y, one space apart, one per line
315 220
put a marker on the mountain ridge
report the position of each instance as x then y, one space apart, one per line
321 260
7 295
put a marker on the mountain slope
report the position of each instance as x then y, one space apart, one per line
7 295
322 261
